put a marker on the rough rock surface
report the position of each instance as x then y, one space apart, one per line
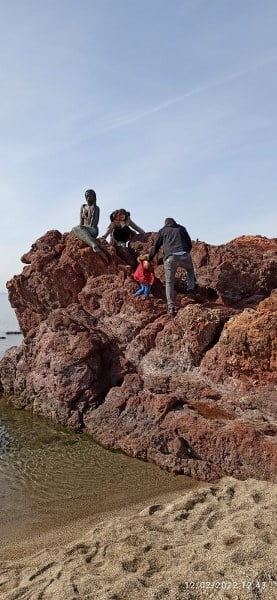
196 394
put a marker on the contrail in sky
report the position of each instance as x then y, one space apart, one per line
204 88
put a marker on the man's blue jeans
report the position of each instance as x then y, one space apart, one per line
171 265
144 289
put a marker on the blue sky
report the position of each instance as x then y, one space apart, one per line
164 107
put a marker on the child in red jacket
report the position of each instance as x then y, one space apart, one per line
144 275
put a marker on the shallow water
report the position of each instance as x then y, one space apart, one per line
8 322
50 476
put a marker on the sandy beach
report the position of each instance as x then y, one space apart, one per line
217 541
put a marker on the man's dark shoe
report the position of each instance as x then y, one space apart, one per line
189 292
171 312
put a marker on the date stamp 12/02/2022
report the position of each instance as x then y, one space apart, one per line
206 586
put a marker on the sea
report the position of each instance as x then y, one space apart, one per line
51 476
8 322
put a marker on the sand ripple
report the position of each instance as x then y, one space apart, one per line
219 541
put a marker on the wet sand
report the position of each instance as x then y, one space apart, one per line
216 541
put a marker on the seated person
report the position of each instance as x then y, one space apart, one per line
120 228
87 231
89 213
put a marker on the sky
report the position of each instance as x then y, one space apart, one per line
165 107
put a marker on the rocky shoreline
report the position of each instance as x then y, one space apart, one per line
195 394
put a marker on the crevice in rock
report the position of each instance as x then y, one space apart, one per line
215 338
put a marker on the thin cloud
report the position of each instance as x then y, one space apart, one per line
117 124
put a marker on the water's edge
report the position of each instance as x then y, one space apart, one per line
51 476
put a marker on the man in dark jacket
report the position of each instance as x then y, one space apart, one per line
176 245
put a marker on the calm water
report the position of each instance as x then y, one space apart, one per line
50 476
8 322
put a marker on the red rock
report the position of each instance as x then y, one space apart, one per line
182 342
246 354
169 430
196 394
58 369
66 264
239 270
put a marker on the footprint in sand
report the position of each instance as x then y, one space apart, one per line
41 571
131 566
162 594
79 548
213 520
232 540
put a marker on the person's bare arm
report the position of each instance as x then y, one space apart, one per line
135 227
108 231
94 219
81 215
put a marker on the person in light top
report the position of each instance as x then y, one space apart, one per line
121 228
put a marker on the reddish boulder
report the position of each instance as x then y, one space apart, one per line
173 431
180 343
240 270
58 268
196 394
63 367
111 300
246 354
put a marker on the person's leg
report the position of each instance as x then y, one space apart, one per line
82 233
93 233
140 291
170 267
147 289
186 262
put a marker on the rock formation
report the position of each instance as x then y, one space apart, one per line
195 394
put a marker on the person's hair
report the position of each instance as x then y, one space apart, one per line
123 211
91 194
120 211
169 221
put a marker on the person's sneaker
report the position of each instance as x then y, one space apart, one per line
171 312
